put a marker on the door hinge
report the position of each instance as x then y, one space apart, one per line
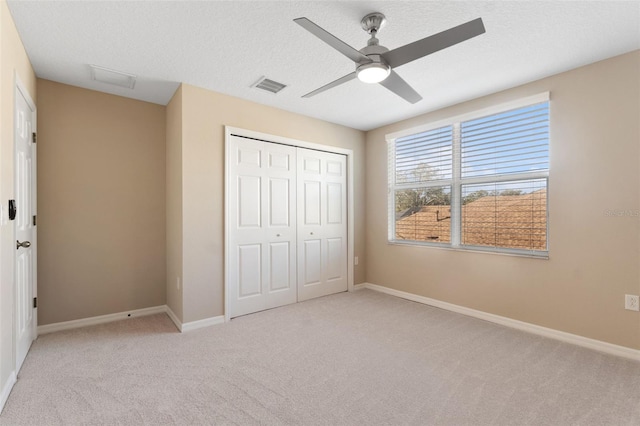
34 138
35 302
34 220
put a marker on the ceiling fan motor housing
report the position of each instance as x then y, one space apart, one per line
377 69
382 69
374 52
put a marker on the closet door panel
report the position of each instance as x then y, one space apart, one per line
322 224
249 276
311 254
262 233
280 266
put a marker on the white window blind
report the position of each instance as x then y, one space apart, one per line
425 156
478 183
515 141
422 163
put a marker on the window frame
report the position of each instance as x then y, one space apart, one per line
456 181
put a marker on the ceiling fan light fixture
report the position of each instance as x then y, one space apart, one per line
374 72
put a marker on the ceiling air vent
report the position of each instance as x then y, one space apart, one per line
268 85
116 78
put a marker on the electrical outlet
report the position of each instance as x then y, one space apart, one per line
178 283
631 302
355 260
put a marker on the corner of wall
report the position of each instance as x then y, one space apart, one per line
174 139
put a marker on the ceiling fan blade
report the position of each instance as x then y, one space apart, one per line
335 83
397 85
332 40
431 44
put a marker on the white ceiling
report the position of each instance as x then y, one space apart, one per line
225 46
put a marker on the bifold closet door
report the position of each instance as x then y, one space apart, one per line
322 223
262 232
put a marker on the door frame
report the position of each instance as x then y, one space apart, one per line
21 90
265 137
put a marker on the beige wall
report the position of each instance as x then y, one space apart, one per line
13 60
205 114
594 259
174 203
101 203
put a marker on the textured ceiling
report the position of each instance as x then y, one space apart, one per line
225 46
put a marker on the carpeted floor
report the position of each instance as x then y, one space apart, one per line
360 358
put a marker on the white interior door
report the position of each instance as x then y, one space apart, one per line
25 275
322 223
261 201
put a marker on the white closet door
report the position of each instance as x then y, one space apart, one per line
322 223
262 231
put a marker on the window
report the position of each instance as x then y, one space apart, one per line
478 182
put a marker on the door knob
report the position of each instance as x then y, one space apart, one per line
25 244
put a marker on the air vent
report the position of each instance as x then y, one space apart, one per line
116 78
268 85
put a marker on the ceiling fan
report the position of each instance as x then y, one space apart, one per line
376 63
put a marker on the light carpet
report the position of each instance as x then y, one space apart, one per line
360 358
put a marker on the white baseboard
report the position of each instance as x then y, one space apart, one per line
193 325
586 342
84 322
164 309
6 390
360 286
